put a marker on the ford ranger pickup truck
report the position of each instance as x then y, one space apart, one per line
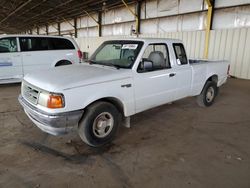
121 78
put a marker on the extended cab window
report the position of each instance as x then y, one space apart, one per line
33 43
8 45
157 55
180 54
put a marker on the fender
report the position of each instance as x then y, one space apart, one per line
117 101
211 77
123 97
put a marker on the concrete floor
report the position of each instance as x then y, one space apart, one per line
177 145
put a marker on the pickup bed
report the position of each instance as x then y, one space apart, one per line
122 78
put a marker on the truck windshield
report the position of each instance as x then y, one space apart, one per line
120 54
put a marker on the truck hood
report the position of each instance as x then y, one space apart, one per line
72 76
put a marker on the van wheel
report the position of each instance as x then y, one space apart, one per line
99 124
208 94
62 63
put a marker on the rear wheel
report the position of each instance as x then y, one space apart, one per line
99 124
208 94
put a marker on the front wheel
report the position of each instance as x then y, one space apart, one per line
99 124
208 94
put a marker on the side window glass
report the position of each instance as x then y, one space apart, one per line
33 44
60 44
39 44
180 54
157 55
8 45
25 44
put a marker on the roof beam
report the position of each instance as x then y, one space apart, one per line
33 7
39 13
42 13
13 12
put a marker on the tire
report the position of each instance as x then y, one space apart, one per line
99 124
208 94
62 63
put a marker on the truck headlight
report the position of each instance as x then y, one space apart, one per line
51 100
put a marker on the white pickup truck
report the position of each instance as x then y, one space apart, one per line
122 78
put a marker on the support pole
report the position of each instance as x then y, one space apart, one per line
137 21
47 30
138 12
59 28
37 30
99 23
75 27
210 4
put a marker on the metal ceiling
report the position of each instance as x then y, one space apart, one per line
20 15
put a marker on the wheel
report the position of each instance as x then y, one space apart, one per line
62 63
99 124
208 94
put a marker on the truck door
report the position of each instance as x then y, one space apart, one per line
10 60
154 86
183 72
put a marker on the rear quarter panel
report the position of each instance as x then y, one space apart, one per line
59 55
202 71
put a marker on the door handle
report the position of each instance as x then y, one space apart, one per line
172 74
126 85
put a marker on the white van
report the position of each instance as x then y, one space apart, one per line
21 54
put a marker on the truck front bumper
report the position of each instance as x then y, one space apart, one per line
55 124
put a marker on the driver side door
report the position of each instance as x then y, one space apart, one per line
157 86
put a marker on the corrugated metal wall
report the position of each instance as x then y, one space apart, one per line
229 44
158 16
232 45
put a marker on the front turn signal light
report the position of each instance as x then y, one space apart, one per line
55 101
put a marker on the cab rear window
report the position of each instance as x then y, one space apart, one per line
180 53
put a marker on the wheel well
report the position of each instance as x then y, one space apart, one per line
63 62
116 102
213 78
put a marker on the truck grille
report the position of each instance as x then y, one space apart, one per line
30 93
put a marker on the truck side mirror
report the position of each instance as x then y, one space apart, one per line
147 65
178 61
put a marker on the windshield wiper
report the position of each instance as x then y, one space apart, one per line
104 64
91 61
111 65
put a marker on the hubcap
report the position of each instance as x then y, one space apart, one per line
103 124
210 94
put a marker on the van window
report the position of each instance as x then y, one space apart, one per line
8 45
33 43
60 44
180 53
